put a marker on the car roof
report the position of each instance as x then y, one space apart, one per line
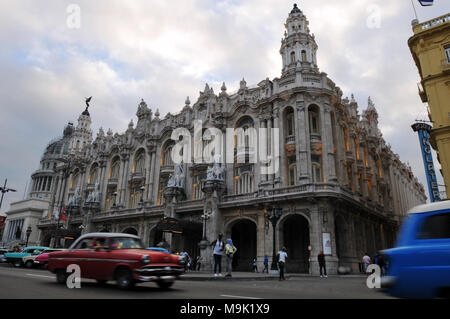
108 235
431 207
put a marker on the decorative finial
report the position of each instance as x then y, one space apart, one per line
187 102
223 88
243 84
157 113
87 100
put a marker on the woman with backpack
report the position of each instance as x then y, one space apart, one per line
230 250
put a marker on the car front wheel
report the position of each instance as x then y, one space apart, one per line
124 279
29 264
61 276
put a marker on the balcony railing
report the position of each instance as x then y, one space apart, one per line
113 181
434 22
290 139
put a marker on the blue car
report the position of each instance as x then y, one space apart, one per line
15 258
419 265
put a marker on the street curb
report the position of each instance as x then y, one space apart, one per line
225 278
212 278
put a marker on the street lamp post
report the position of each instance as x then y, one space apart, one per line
28 232
5 190
274 215
205 217
115 196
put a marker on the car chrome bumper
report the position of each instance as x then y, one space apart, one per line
168 273
388 282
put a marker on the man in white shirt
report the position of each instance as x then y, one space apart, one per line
218 248
282 255
366 260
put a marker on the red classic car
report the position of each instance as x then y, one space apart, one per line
119 257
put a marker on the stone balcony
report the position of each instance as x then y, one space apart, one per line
113 181
136 178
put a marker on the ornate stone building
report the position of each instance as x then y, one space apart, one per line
339 187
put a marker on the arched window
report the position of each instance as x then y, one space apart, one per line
347 144
380 168
292 57
244 159
166 159
197 187
114 170
93 174
292 171
314 123
350 176
316 169
356 148
303 56
245 138
366 158
75 180
139 162
289 125
244 183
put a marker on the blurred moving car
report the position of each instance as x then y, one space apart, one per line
2 255
119 257
30 261
419 265
159 249
16 258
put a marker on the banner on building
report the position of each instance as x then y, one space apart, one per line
326 243
424 130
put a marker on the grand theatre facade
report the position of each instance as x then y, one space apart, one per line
339 186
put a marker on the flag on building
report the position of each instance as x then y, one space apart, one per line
426 3
63 214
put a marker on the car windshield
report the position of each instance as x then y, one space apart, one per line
126 243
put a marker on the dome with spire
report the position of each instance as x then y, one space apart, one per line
295 9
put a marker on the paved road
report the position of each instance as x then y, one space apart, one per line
34 283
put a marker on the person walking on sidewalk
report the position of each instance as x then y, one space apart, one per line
366 261
321 260
218 248
230 250
266 264
254 265
282 255
199 262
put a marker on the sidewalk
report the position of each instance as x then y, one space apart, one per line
204 276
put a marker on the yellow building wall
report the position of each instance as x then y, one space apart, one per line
427 48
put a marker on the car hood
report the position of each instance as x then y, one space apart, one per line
155 256
16 255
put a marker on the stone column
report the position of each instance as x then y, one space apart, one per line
151 178
327 140
276 125
302 143
213 190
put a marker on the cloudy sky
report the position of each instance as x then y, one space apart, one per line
163 51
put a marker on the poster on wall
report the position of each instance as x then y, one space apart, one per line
326 243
